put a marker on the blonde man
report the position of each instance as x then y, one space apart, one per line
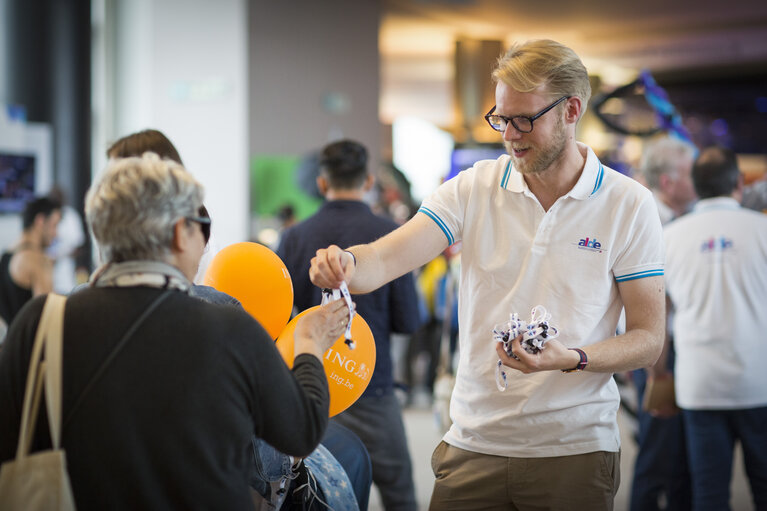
548 225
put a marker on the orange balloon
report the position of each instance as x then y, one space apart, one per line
348 370
258 278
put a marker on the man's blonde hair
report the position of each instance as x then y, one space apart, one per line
544 63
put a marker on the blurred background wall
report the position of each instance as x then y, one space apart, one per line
179 66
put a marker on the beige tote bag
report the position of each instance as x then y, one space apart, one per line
40 481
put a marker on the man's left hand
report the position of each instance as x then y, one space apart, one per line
553 356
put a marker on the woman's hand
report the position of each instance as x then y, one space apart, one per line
317 330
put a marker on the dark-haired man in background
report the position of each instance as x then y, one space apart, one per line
25 270
716 277
344 219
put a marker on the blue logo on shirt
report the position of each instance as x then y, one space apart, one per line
590 244
719 244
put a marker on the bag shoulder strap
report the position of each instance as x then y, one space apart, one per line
51 322
53 366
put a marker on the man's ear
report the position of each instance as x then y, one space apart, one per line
741 184
322 185
664 181
39 221
573 109
369 182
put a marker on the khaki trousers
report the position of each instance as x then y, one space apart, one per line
467 480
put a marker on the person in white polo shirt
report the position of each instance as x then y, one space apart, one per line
716 277
661 478
548 224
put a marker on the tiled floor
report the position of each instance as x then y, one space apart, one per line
423 436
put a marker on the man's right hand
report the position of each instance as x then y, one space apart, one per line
330 267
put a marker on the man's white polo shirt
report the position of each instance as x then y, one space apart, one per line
716 276
569 259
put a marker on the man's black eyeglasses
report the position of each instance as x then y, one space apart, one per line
521 123
203 219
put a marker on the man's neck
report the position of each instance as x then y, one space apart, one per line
336 194
559 178
677 209
29 241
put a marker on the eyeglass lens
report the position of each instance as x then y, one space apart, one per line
204 226
521 123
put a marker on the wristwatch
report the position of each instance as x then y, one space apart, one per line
581 365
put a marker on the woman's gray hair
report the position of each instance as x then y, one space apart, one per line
133 205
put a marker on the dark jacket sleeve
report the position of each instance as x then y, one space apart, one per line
291 407
403 303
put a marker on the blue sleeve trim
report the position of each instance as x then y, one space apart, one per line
439 222
640 275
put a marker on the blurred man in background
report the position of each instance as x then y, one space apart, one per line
26 270
346 220
716 262
666 166
661 478
70 237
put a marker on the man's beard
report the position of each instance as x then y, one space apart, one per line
544 155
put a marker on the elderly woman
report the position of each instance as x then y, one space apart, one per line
162 392
273 471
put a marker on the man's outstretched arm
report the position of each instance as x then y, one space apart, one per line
365 268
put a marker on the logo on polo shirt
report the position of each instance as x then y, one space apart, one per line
719 244
590 244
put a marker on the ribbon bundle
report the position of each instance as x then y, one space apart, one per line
534 333
329 295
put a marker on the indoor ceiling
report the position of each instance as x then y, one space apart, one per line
660 35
